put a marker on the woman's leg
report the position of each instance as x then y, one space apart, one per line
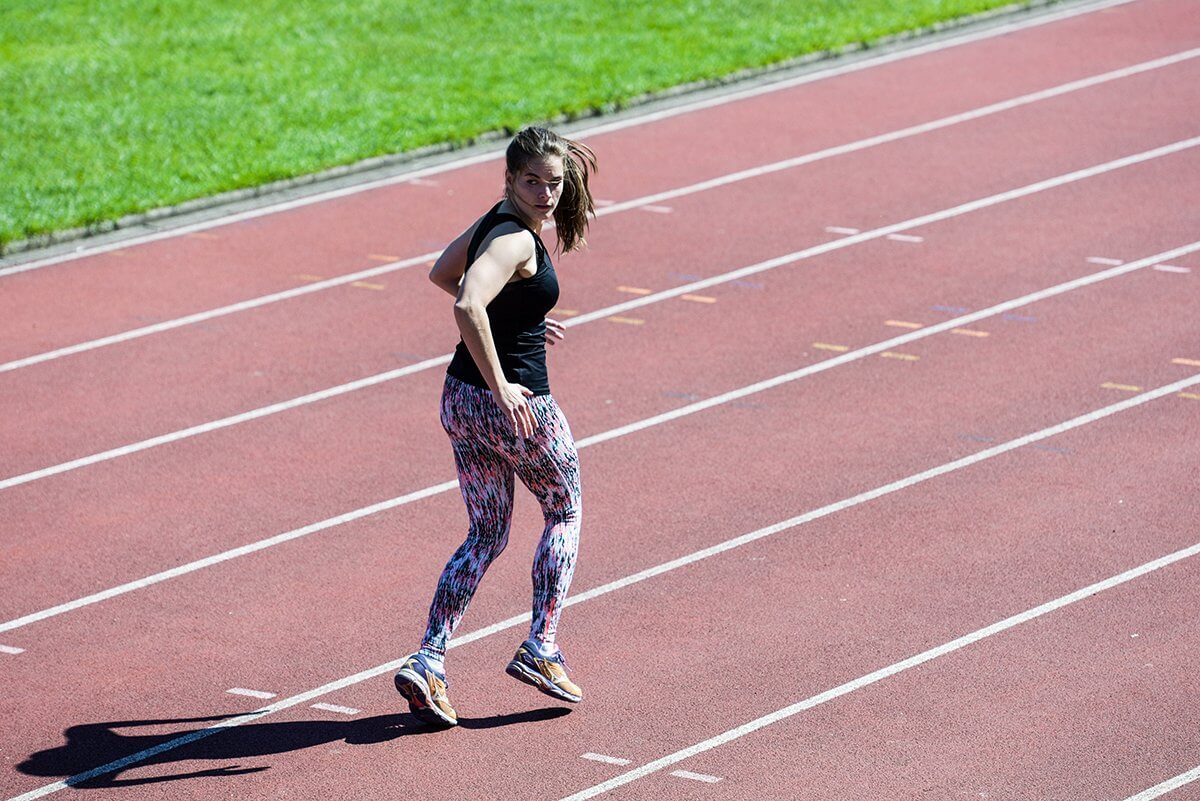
486 480
549 467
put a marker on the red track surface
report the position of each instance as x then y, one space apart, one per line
1069 705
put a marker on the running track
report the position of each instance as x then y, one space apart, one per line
807 481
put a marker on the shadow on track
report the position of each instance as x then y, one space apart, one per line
91 745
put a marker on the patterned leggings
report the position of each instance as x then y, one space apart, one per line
488 455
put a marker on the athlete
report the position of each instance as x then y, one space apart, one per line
499 413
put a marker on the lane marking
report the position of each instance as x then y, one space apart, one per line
341 710
698 298
252 693
1188 362
837 229
1103 260
907 357
969 332
624 320
421 182
893 669
202 235
649 422
634 290
950 309
652 116
308 277
1189 395
1171 268
666 567
696 777
657 209
902 324
905 238
607 760
617 308
1165 787
367 285
381 257
565 312
11 649
828 346
600 203
702 186
1124 387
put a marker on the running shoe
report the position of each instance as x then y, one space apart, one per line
548 674
425 689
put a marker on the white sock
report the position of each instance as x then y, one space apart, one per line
546 650
438 663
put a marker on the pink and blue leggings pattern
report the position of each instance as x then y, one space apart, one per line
489 455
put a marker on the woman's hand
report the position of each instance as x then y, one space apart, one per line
513 399
555 331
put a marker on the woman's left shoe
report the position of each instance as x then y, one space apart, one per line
548 674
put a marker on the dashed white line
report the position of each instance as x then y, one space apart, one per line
906 238
251 693
616 309
837 229
674 414
696 777
1171 268
11 649
616 207
607 760
666 567
341 710
657 209
1104 260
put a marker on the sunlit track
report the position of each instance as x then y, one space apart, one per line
706 553
675 414
616 309
593 130
911 520
627 205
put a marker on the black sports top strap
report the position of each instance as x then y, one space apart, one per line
491 220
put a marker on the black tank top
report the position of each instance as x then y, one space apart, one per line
517 317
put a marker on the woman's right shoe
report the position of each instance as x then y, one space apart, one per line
548 674
425 689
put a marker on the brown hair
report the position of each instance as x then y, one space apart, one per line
570 216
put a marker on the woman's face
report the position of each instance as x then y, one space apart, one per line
537 189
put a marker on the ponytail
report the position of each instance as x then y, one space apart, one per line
576 203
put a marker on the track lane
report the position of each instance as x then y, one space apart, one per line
275 355
267 253
337 458
838 637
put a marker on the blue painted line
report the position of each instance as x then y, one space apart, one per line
685 277
691 396
1018 318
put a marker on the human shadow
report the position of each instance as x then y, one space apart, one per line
95 754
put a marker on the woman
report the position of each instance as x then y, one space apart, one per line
498 411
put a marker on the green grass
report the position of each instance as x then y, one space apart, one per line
108 108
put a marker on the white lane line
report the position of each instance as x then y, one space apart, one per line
635 578
657 209
11 649
618 308
607 760
696 777
341 710
837 229
251 693
659 419
1104 260
905 238
596 130
1165 787
702 186
886 672
1171 268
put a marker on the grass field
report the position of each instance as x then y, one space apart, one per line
114 107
